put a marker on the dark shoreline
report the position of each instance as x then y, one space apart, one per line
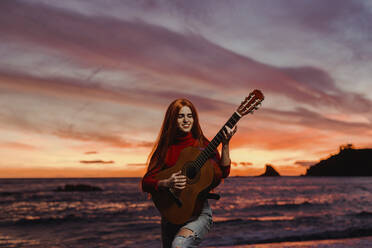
347 242
353 233
117 178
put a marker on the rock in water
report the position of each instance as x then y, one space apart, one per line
270 172
77 187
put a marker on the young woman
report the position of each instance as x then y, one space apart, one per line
181 129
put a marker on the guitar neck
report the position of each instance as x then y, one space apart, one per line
212 146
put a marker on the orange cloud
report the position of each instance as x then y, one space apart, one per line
113 140
235 164
291 170
38 172
305 163
271 139
251 171
91 152
137 164
96 162
245 163
307 118
18 146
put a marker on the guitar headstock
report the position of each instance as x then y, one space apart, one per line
251 102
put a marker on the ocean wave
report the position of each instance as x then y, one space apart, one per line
261 219
48 220
10 193
37 220
288 206
27 194
330 234
334 234
231 221
119 215
363 214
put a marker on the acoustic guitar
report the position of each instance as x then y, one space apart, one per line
178 206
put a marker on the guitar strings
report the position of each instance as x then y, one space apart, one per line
209 150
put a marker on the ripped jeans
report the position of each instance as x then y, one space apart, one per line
199 226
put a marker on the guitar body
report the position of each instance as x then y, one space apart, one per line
189 196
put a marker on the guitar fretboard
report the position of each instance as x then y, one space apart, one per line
211 148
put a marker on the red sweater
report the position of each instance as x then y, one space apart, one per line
150 184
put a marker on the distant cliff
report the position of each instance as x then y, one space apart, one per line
348 162
270 172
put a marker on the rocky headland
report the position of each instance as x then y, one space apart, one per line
348 162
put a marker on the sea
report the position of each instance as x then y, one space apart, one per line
252 212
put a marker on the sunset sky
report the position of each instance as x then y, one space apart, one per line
84 85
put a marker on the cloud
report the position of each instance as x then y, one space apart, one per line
300 117
310 119
142 47
90 152
305 163
242 164
245 163
95 136
290 170
35 123
345 22
65 87
17 146
169 64
137 165
78 90
279 139
96 162
250 171
40 172
297 130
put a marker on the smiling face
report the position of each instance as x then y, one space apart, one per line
185 119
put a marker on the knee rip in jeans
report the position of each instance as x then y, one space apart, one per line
185 233
183 236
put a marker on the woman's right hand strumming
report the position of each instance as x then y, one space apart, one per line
175 181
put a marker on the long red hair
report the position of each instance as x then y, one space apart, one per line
169 131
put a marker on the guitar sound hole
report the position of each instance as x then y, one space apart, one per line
191 172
